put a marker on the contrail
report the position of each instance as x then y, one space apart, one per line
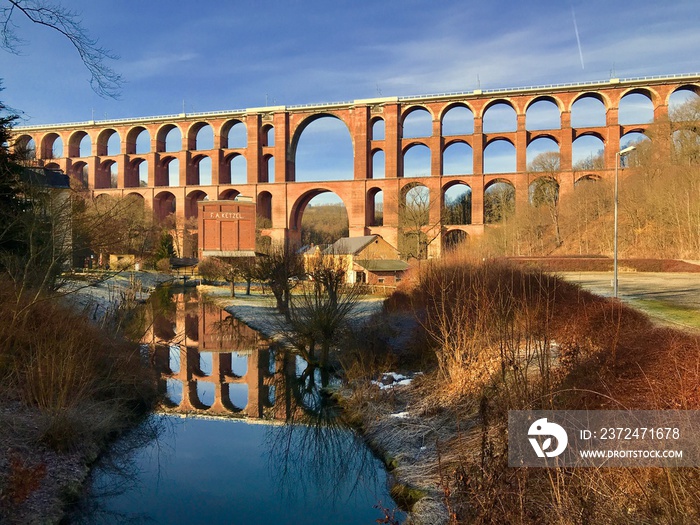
578 40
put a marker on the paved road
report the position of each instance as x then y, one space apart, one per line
642 289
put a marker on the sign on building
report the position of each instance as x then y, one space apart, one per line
226 228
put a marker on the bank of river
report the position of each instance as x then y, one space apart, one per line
36 482
60 476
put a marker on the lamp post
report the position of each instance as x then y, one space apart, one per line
618 156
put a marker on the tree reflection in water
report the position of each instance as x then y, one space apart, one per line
117 473
314 450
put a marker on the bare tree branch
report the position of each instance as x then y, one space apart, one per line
104 80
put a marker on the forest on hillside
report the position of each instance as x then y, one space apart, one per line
659 201
324 224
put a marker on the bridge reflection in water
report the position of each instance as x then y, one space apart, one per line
218 469
212 364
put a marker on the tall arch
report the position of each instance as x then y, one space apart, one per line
169 174
458 119
322 150
201 175
457 204
416 122
25 147
201 137
416 161
106 176
636 107
267 169
378 165
297 209
267 138
541 145
164 204
543 113
192 201
169 139
138 141
499 201
235 170
108 143
681 97
264 209
234 135
378 129
79 172
588 152
79 145
499 156
137 174
414 217
499 116
375 207
454 239
457 159
52 146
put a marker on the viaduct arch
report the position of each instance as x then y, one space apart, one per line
93 155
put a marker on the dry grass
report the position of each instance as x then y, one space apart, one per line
508 339
74 385
601 264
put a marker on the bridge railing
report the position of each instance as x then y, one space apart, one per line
241 112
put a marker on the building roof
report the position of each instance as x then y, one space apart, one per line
40 176
383 265
311 249
349 245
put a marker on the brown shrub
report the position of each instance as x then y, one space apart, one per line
511 339
85 382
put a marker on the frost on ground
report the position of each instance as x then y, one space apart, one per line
102 294
36 482
258 310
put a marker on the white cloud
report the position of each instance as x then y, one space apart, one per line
156 64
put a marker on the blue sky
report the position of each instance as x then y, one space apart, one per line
236 55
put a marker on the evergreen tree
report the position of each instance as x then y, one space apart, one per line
166 247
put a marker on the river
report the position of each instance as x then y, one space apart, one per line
245 435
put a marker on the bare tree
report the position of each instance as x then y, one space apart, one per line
109 224
416 232
103 79
499 202
458 210
229 269
319 313
281 268
545 188
660 196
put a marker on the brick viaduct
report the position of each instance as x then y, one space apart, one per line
374 125
200 351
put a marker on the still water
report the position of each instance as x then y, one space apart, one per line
244 436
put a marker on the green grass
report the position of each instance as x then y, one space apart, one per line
669 312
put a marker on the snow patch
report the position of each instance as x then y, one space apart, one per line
390 380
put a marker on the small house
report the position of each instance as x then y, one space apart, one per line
368 259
